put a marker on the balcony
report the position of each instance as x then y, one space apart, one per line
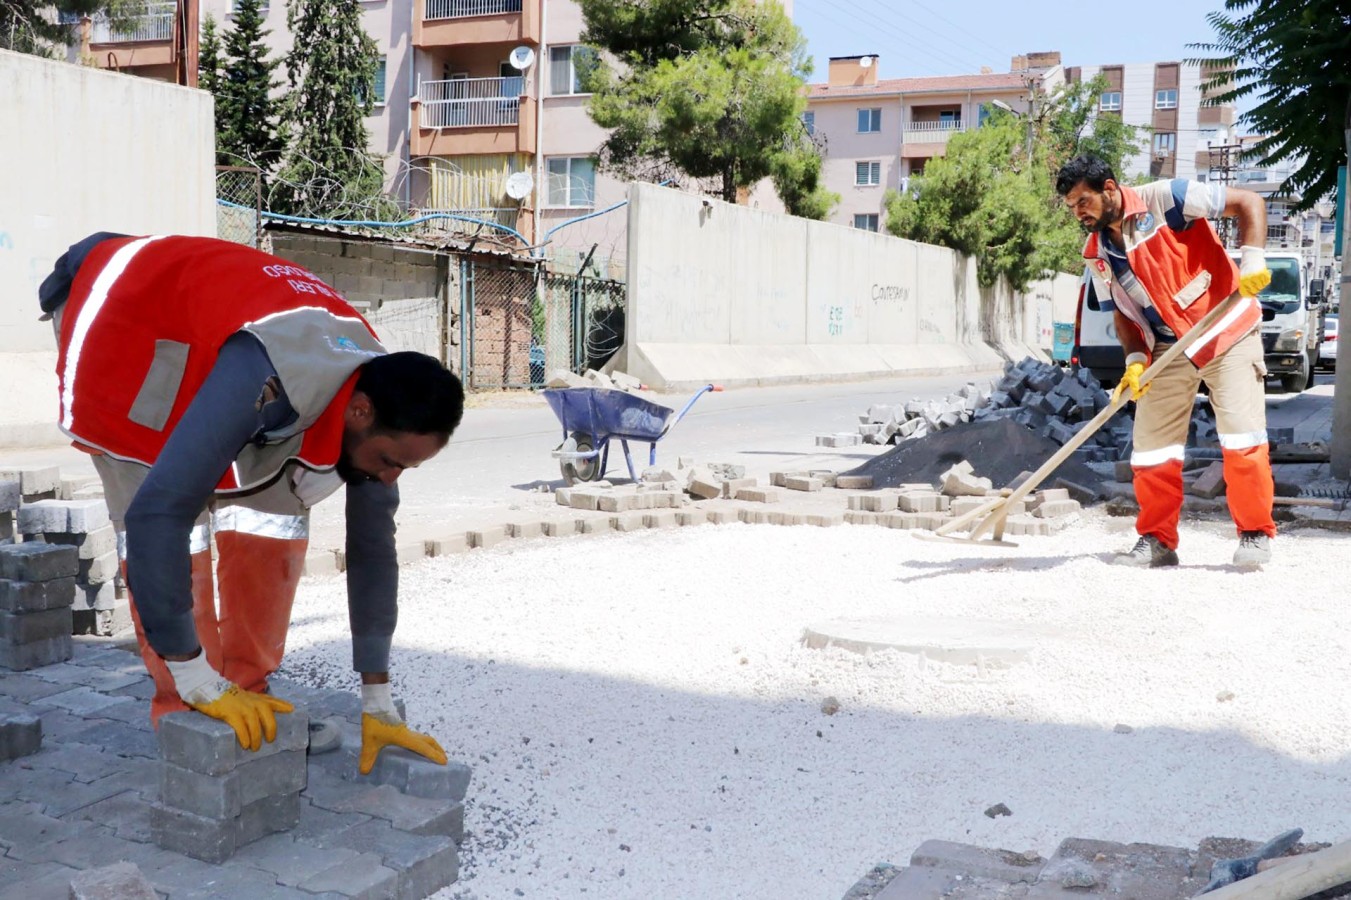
462 23
473 115
926 139
142 39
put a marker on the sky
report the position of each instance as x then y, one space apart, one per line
956 37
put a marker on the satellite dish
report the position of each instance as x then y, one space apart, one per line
521 58
519 185
866 62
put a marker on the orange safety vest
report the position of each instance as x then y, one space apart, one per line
145 320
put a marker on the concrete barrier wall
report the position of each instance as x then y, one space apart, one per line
82 150
722 293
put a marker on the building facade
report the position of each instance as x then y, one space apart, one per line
878 133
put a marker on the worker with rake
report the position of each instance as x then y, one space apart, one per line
1158 264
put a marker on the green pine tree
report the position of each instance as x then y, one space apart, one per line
331 70
209 60
246 113
712 89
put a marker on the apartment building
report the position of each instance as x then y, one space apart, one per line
469 93
878 133
1166 100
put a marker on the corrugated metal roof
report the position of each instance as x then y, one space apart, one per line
486 244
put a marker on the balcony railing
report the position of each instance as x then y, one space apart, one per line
460 9
470 102
931 131
154 22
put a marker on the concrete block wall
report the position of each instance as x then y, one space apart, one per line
741 296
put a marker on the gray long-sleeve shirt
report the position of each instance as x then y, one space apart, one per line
223 417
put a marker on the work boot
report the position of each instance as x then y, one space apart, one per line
1254 549
1148 552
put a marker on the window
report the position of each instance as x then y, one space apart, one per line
869 121
809 121
1166 99
569 68
867 173
1165 143
1111 101
982 113
378 91
949 118
572 181
865 221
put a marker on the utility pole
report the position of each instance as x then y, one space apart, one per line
1223 161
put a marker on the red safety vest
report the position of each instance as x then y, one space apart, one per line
1183 273
146 319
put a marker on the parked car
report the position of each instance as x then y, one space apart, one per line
1327 353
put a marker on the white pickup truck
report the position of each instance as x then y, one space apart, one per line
1291 328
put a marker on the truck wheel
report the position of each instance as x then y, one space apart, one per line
1298 380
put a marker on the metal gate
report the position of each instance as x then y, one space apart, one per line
519 322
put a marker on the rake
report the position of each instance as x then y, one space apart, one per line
994 514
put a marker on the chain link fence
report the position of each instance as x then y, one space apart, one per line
239 206
520 322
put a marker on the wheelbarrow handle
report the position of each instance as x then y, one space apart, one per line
716 388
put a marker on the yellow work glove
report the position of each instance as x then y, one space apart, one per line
381 727
1253 274
1135 367
252 716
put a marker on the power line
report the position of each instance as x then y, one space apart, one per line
943 58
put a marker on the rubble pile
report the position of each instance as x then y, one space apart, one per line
619 381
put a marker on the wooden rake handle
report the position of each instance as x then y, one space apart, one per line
1295 878
993 513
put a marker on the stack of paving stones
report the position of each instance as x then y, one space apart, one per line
9 505
84 525
215 796
37 587
943 870
1047 399
83 812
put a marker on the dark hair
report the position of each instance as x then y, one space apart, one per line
1083 168
412 392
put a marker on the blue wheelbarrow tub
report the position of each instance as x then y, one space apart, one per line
604 413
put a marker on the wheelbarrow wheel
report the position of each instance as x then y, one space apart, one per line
575 470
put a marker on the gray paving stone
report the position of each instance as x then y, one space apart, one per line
35 655
416 815
88 545
26 688
89 850
119 881
124 739
134 715
20 735
10 493
60 794
362 877
41 881
28 627
83 701
36 596
127 814
412 774
57 724
90 653
89 676
202 744
98 570
319 825
85 764
32 836
141 776
425 864
141 689
216 840
999 865
224 796
38 562
290 861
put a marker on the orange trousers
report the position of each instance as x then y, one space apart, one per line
241 614
1238 395
241 599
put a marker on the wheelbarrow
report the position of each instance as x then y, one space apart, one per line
592 416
